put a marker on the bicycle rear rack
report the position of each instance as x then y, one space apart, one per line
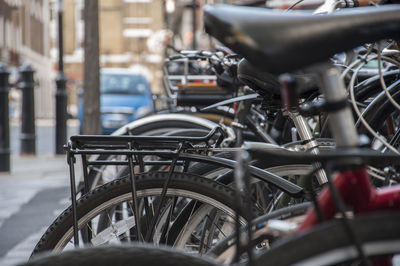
192 89
131 151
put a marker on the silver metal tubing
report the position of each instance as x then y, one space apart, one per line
305 133
341 122
303 129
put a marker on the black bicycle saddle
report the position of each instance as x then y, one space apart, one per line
279 42
267 83
258 80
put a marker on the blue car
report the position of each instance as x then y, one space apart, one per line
124 97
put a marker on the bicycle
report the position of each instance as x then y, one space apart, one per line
345 138
352 184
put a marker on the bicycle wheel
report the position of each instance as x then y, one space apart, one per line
264 195
261 198
329 244
107 213
383 118
380 110
121 256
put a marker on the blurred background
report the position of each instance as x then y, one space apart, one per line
42 82
134 34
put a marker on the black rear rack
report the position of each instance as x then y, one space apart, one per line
96 150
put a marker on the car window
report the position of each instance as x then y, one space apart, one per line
122 84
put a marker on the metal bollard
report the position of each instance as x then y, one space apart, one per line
27 85
61 113
61 94
4 120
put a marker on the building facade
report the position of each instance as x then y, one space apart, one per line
131 32
24 38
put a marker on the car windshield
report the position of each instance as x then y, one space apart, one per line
122 84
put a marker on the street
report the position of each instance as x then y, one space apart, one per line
32 195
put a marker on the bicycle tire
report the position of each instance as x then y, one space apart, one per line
225 176
380 109
329 244
121 256
91 204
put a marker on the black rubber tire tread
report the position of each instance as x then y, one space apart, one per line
331 235
101 194
120 256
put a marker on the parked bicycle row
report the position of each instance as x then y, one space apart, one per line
282 148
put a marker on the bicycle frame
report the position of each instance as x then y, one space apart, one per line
350 187
353 186
356 190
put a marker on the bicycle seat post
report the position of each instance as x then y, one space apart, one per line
341 122
291 100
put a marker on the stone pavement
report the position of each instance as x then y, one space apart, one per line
30 199
33 194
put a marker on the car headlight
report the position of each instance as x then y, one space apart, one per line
142 111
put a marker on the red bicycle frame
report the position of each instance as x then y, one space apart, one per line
356 190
